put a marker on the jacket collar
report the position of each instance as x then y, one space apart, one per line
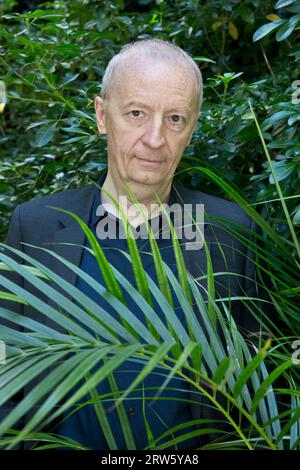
69 239
84 200
97 200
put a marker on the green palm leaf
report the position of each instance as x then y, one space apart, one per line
72 356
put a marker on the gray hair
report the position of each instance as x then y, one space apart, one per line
155 49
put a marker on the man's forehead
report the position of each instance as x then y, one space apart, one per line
139 83
141 68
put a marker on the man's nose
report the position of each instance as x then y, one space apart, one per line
154 135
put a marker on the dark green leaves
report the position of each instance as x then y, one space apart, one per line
45 135
266 29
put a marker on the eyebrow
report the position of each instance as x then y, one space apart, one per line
143 105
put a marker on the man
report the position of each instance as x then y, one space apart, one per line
150 103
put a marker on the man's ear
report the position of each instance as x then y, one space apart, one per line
100 114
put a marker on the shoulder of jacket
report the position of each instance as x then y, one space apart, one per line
55 199
215 206
46 211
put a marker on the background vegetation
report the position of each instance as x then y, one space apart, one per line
52 61
53 57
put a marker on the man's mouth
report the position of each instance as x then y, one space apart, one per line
147 161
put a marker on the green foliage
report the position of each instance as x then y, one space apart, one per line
246 148
52 61
248 391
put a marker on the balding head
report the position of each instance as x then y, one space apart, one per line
136 55
148 109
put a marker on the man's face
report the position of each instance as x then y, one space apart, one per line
149 118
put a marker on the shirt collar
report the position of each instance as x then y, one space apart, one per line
97 199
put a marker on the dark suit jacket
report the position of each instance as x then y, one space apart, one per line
32 222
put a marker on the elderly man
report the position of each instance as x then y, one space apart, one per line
150 103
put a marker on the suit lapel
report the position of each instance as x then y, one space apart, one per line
195 260
68 241
70 234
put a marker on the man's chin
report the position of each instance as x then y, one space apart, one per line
138 176
145 177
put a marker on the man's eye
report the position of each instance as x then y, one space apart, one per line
135 113
176 119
